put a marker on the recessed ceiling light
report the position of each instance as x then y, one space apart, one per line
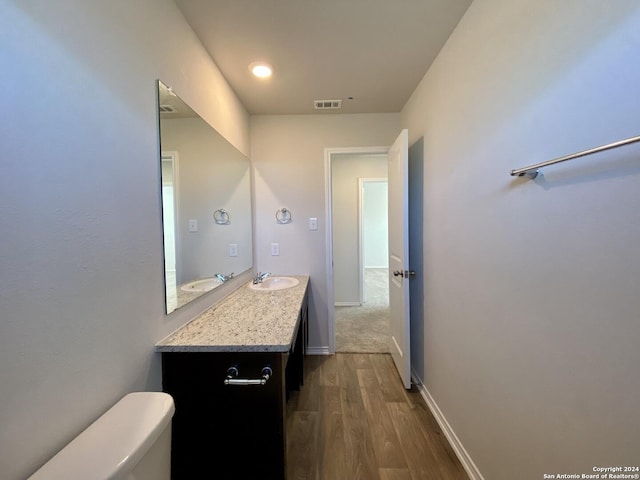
261 69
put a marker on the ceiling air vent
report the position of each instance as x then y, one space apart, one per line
167 109
327 104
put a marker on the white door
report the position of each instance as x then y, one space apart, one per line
399 273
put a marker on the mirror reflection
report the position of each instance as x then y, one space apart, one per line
206 203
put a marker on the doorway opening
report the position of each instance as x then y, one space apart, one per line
358 281
373 207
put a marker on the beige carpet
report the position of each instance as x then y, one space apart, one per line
362 329
365 329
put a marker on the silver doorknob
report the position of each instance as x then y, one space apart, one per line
405 274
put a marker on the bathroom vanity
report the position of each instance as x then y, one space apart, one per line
230 372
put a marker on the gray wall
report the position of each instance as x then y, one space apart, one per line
212 174
532 311
81 266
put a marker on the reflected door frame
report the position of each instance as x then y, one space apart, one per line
171 157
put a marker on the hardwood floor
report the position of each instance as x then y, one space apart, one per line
352 419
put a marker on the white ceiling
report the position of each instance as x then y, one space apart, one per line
376 51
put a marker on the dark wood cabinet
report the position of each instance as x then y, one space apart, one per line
232 431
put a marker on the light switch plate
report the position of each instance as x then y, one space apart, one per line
313 223
193 224
275 249
233 249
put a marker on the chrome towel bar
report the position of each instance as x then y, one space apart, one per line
532 170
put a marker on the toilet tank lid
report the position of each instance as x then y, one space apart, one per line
113 444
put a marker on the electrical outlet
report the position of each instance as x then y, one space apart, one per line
313 224
193 224
275 249
233 249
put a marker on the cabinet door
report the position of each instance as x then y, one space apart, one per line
228 431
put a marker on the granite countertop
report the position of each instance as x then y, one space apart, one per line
245 321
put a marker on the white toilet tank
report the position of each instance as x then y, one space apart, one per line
131 441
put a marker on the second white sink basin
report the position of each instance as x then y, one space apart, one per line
270 284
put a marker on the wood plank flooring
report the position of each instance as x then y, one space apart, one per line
353 420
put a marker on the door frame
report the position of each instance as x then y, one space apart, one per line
329 153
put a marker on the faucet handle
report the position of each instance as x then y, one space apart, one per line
259 277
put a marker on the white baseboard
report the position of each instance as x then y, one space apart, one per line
318 351
456 445
347 304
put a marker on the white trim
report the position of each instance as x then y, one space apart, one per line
395 342
328 153
329 249
361 239
386 267
454 441
347 304
318 351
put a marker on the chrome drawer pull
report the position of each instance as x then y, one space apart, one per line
232 373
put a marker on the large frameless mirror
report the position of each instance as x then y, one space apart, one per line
206 203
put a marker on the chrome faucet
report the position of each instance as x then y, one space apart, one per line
260 277
224 278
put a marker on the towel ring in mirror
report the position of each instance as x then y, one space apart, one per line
283 216
222 217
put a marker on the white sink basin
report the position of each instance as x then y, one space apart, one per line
271 284
203 285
